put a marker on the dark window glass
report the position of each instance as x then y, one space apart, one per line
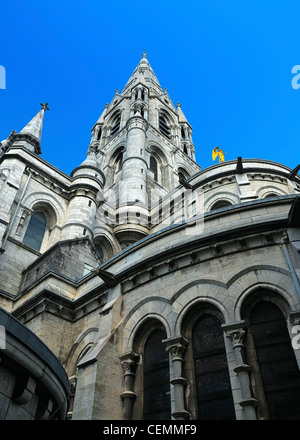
277 362
99 251
157 404
119 162
35 231
214 394
271 195
220 204
153 167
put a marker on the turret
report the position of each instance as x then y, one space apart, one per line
88 181
30 135
11 177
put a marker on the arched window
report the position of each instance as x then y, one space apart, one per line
278 369
220 204
115 125
157 403
163 127
214 396
153 167
35 231
182 133
99 134
99 251
119 162
182 174
185 149
271 195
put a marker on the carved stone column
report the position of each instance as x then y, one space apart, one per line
130 363
237 333
24 215
176 347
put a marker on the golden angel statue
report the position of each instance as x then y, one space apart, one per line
216 153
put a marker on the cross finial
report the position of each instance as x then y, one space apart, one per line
144 54
45 106
117 91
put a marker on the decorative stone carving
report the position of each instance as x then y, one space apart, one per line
237 337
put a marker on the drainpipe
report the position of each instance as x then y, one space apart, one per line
284 241
16 210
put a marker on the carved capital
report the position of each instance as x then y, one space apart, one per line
176 347
237 337
177 351
130 362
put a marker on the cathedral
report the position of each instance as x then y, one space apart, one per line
140 286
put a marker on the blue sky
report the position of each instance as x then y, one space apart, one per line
229 63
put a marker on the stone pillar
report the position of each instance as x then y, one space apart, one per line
176 347
237 333
132 96
146 112
130 363
146 95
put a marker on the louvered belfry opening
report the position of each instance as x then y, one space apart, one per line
163 127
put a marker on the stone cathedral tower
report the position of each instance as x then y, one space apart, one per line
141 286
144 147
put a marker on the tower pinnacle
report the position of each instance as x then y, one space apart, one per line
30 136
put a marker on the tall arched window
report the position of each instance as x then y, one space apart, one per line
214 396
35 231
163 127
115 125
278 369
157 404
153 167
119 162
99 251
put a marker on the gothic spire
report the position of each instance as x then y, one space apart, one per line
180 113
31 134
145 74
